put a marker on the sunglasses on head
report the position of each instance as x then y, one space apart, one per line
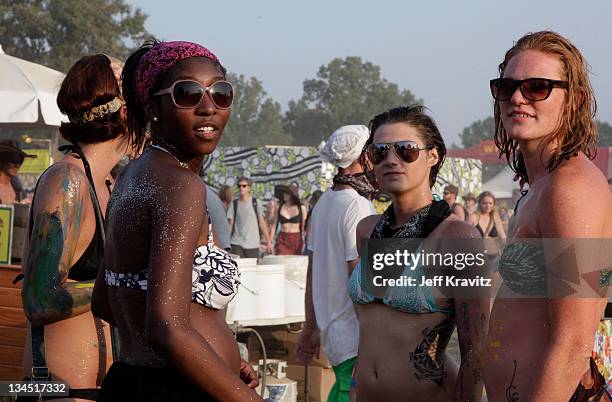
533 89
407 151
188 93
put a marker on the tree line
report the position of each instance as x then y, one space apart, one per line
345 91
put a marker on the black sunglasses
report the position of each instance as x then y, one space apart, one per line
243 185
533 89
408 151
188 93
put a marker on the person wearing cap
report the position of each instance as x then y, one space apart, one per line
330 316
11 159
291 216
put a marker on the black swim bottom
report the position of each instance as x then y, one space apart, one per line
91 394
127 383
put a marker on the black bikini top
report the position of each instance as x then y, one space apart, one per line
86 268
293 219
492 233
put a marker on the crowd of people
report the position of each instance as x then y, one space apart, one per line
126 281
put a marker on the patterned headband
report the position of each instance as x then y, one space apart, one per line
160 58
98 111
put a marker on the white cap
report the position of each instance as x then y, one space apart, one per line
344 146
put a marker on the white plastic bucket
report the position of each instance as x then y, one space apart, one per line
296 267
271 291
244 306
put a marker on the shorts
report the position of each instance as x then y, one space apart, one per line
244 252
289 244
342 386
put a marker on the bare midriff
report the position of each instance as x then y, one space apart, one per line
134 348
384 369
77 351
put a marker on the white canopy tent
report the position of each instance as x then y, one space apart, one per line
28 94
502 185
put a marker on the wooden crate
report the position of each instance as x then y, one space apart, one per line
13 325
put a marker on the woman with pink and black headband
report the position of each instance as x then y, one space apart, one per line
166 284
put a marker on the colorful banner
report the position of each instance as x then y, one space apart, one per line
6 233
36 165
270 166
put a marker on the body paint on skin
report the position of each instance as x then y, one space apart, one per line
47 297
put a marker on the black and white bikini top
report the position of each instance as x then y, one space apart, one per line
214 279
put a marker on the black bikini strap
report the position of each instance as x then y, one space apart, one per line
438 211
96 204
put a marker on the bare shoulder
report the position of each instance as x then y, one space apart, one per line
577 192
168 180
63 184
366 225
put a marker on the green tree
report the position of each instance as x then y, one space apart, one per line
479 130
346 91
58 32
604 133
256 119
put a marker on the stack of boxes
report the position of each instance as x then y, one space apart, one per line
280 344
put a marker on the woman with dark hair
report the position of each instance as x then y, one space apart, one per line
403 335
11 159
66 234
165 284
291 216
540 343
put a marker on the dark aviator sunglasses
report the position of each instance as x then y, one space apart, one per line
533 89
407 151
189 94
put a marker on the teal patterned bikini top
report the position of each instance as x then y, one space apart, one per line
408 299
522 266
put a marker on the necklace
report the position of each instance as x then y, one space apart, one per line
183 164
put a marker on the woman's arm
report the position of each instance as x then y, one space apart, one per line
499 227
579 208
472 323
178 220
472 307
58 215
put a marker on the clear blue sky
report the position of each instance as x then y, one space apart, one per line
443 51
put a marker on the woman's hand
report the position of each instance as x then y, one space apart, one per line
248 374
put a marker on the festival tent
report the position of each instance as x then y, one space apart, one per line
502 185
27 94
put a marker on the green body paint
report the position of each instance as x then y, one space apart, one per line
47 297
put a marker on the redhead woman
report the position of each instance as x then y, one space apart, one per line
539 343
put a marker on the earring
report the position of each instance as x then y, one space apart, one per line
155 119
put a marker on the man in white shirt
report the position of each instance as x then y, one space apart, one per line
330 316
